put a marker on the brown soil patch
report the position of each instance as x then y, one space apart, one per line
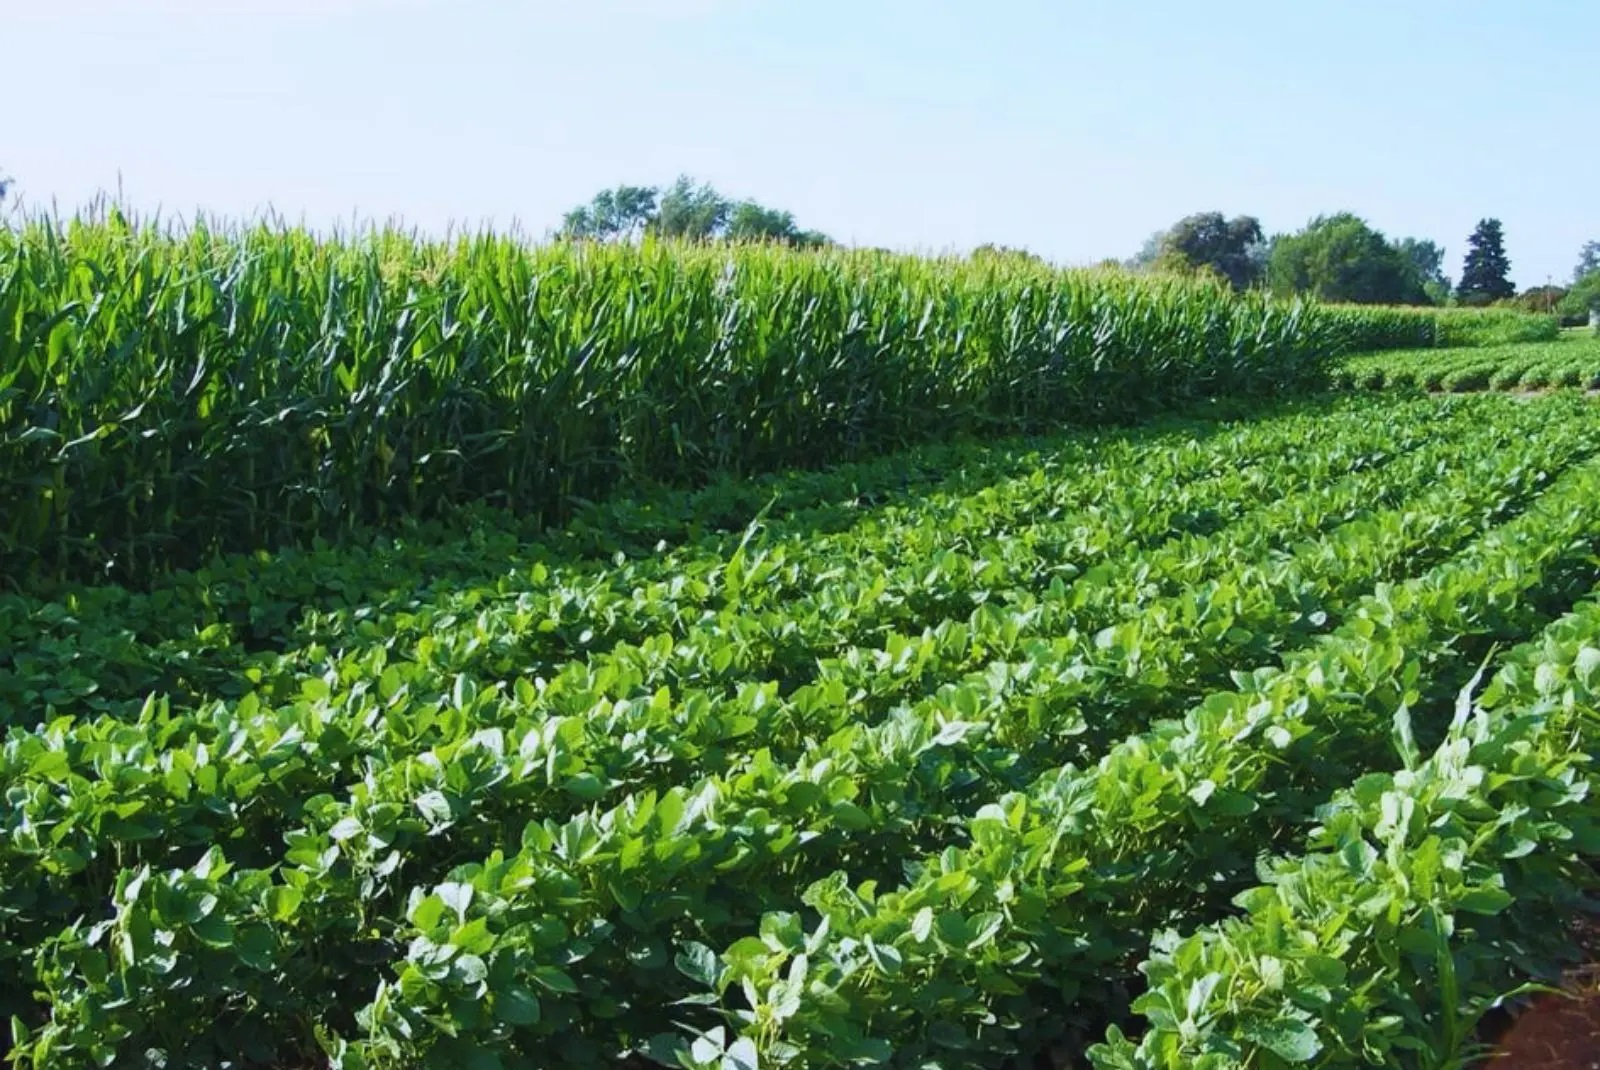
1559 1031
1555 1033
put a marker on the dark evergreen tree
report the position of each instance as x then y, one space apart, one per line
1485 275
1588 261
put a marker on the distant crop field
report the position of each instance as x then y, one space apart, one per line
1573 360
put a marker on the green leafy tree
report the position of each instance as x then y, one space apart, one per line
691 211
1541 298
686 210
1232 248
1003 253
1427 260
1148 253
623 212
1583 298
1486 272
1342 258
749 222
1588 261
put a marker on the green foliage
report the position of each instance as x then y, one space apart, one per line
684 211
1003 253
895 760
239 613
1583 297
1539 299
1456 863
750 222
1364 328
691 212
1208 241
1494 327
1340 258
620 213
905 758
1427 263
170 395
1427 260
1058 878
1568 362
1588 261
1486 271
1552 300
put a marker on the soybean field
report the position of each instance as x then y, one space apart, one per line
1572 361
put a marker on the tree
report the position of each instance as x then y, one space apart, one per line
686 210
1541 298
1584 296
1427 260
1145 259
623 212
5 185
991 253
1208 240
692 212
749 221
1342 258
1588 261
1485 274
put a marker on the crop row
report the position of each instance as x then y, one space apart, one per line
1423 896
160 782
102 651
1365 328
1059 881
1571 362
607 741
189 948
167 395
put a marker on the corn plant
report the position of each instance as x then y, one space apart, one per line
166 393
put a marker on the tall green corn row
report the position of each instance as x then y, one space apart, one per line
1363 328
167 394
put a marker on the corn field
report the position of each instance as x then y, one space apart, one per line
168 394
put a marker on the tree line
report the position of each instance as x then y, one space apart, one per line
688 210
1341 257
1337 257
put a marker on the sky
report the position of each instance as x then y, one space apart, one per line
1074 129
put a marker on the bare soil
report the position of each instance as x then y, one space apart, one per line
1558 1031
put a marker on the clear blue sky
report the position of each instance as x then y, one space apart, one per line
1073 128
